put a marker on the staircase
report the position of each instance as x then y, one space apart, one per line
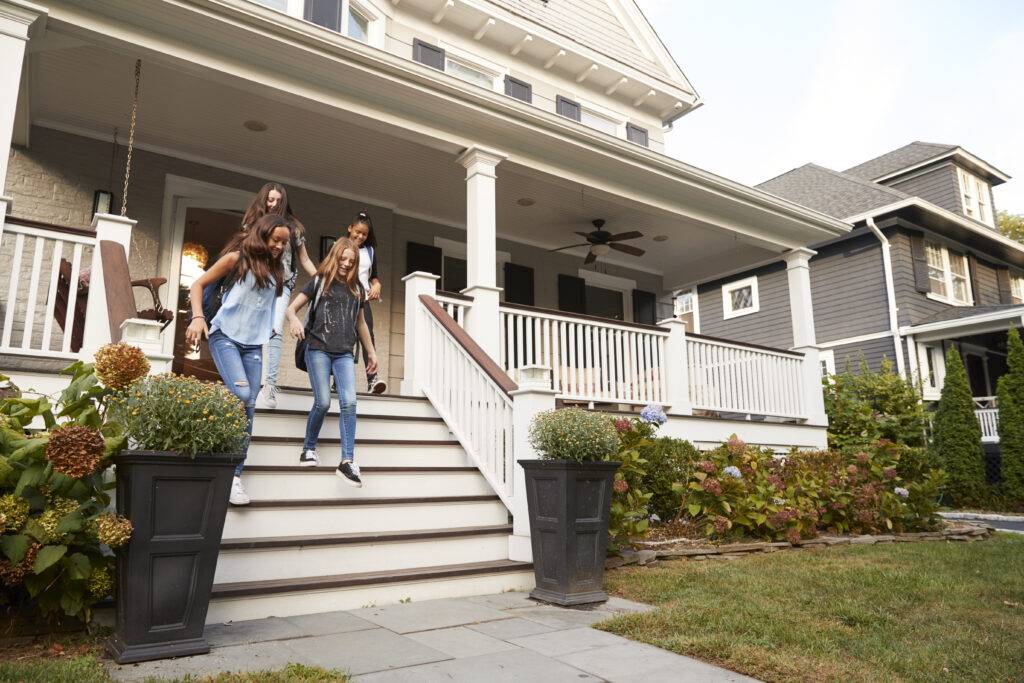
425 524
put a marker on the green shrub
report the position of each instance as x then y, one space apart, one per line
865 407
54 519
956 437
1011 421
181 414
669 461
573 434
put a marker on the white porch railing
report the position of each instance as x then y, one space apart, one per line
472 395
43 268
742 378
987 412
455 305
591 359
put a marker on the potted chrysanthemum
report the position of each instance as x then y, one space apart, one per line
185 438
569 493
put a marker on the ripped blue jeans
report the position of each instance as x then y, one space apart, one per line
240 367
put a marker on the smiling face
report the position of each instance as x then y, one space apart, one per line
348 258
358 232
273 200
278 241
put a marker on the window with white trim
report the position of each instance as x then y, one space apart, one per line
828 363
740 298
948 275
975 197
605 124
684 303
1017 289
469 73
358 25
352 18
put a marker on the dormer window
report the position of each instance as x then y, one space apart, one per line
975 197
468 73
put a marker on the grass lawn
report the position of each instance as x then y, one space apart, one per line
896 612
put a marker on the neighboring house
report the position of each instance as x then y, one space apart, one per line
923 268
483 136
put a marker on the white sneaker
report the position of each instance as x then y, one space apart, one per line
309 458
238 495
267 397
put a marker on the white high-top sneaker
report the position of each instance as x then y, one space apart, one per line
238 495
267 397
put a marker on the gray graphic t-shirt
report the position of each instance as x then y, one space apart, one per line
334 323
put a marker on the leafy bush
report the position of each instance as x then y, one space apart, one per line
181 414
865 407
669 461
742 491
573 434
956 437
1011 420
54 519
629 516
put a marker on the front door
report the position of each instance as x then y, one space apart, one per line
976 376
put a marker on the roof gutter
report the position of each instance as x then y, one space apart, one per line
890 295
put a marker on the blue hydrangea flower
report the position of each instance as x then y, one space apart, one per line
901 492
653 414
733 472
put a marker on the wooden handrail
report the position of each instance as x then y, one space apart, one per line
479 356
52 227
454 295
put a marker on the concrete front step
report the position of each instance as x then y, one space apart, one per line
261 559
282 598
301 483
283 517
292 423
284 450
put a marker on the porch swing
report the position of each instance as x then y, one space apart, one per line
119 285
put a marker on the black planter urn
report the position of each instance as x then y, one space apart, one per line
569 504
177 506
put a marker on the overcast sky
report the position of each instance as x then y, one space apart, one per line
837 82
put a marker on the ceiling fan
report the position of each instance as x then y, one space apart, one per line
601 242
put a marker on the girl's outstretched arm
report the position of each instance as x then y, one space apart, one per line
364 338
199 329
305 261
297 329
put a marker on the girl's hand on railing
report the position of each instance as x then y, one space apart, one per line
196 332
297 330
374 293
371 363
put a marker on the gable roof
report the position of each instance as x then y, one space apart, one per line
898 159
831 192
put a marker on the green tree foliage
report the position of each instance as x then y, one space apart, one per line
956 437
865 407
1011 225
1011 420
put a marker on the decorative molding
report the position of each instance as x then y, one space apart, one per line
583 75
521 44
484 28
22 20
611 89
643 98
442 10
554 58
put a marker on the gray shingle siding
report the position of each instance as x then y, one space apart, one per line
872 352
770 326
986 284
848 288
939 186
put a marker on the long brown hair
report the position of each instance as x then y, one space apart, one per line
330 266
258 208
255 256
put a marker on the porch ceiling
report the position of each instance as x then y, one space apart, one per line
86 89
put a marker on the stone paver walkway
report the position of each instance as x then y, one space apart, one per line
490 638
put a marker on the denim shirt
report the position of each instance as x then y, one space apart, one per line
246 315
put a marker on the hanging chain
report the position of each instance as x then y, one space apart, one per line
131 139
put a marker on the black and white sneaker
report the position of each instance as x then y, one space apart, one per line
309 458
377 386
349 471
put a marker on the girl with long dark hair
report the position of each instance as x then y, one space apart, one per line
360 231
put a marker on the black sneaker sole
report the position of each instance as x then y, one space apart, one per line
354 484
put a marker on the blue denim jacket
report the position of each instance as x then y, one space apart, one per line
246 315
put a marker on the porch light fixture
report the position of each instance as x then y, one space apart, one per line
102 201
526 201
660 238
194 258
600 249
255 126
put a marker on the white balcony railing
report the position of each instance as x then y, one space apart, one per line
47 268
987 412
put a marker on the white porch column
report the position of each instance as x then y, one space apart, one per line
533 396
110 228
416 360
18 21
482 320
801 312
677 369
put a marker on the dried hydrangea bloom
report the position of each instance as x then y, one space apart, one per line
620 486
623 425
15 511
118 365
101 584
113 531
48 521
712 486
75 450
736 445
707 466
13 574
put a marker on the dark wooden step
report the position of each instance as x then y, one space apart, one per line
345 502
254 588
327 469
360 394
351 539
304 413
359 442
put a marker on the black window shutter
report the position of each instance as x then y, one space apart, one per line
972 273
921 282
422 257
326 13
636 134
1005 290
428 54
644 307
572 294
518 284
567 108
521 90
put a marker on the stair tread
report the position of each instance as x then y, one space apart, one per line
251 588
359 442
327 469
360 394
331 502
362 416
353 538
